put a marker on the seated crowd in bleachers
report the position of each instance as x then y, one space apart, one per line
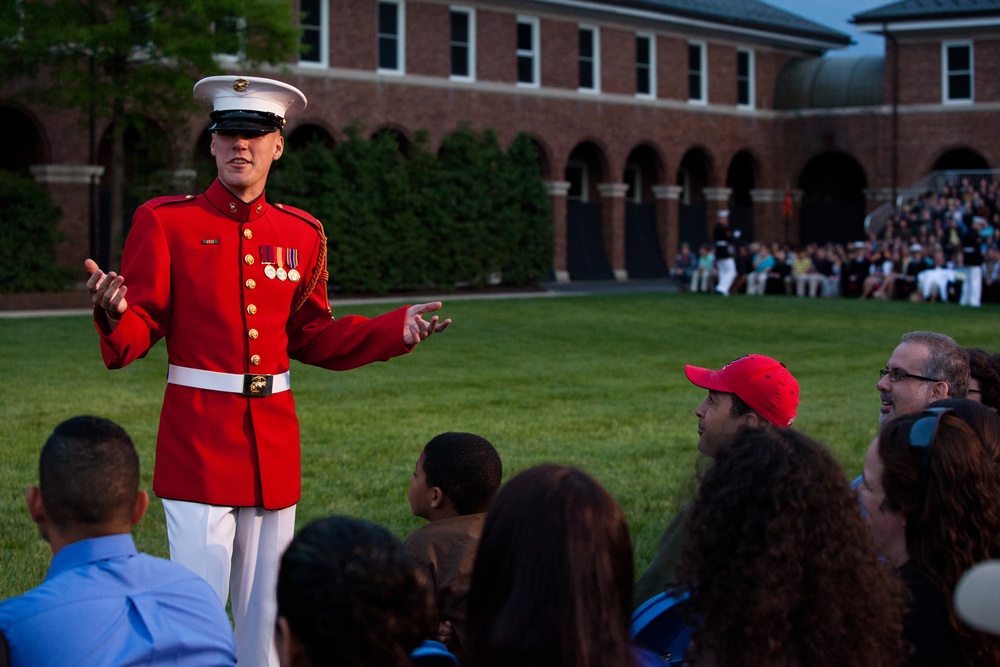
940 247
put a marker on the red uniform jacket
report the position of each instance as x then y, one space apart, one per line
194 271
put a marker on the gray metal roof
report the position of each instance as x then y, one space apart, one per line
929 9
830 83
751 14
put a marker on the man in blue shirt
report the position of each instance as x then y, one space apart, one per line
102 602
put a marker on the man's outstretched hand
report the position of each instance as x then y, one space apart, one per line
415 328
107 291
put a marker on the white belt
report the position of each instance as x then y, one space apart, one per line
247 384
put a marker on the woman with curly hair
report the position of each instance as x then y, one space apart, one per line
932 495
780 564
552 581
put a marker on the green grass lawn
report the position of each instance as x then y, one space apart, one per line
594 381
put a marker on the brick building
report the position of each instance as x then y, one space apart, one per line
649 115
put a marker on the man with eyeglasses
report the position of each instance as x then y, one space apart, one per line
925 367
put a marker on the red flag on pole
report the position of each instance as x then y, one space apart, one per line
786 206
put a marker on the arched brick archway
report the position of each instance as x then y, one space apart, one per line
964 159
307 135
24 147
693 177
402 140
833 199
741 179
587 239
644 256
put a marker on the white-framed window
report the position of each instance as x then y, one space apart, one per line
463 43
645 64
391 36
957 72
528 51
589 58
745 85
697 73
230 38
314 20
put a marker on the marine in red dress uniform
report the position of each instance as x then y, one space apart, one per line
196 276
237 287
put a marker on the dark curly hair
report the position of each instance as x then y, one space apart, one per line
780 561
552 582
950 496
985 369
466 467
352 597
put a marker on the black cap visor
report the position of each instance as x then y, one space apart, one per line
242 120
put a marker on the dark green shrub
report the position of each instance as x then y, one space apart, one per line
529 237
360 191
29 237
421 220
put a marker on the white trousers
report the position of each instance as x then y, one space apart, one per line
238 549
972 287
727 274
935 279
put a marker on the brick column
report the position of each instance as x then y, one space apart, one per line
718 200
668 215
69 185
767 221
613 225
557 195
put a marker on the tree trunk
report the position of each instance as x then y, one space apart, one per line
118 220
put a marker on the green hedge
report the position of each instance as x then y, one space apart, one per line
29 237
465 216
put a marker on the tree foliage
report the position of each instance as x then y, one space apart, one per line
127 57
29 237
128 60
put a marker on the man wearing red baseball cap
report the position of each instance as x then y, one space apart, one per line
753 391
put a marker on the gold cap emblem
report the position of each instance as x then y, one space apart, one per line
240 85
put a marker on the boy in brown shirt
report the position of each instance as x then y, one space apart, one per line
452 487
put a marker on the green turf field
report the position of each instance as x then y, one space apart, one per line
593 381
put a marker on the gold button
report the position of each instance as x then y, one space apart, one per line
251 309
247 234
248 258
251 283
255 360
253 334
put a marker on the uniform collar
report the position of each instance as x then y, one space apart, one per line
232 206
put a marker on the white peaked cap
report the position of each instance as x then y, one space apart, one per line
252 99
